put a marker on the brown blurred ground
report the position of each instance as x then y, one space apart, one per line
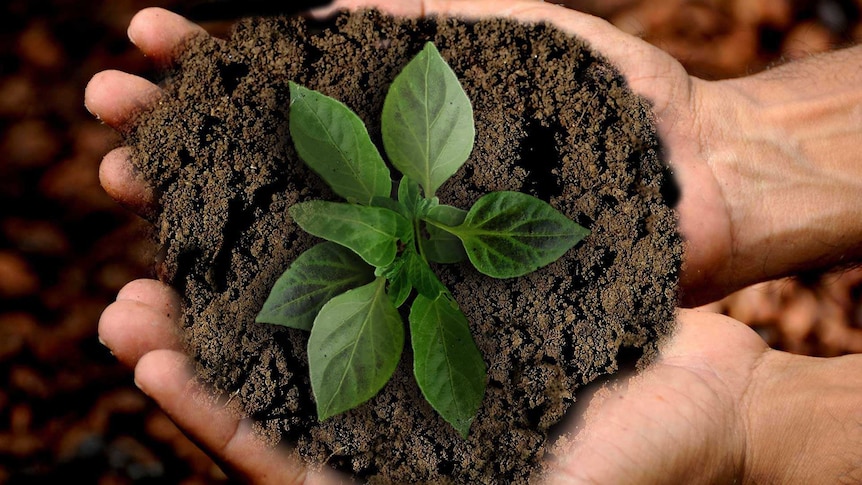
68 410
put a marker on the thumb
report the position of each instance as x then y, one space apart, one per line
166 377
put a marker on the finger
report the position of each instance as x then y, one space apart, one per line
527 11
639 62
406 8
125 185
166 377
159 33
697 331
116 97
144 318
153 293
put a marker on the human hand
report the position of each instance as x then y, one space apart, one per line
702 410
766 164
718 406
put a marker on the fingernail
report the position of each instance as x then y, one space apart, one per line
138 385
131 37
105 345
87 107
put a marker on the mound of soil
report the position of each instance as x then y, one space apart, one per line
553 119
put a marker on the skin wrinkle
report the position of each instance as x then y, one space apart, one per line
795 465
744 408
666 73
803 173
697 405
231 438
849 456
233 441
729 174
770 469
782 127
705 374
619 453
854 458
701 134
694 411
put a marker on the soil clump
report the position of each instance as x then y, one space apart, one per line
553 119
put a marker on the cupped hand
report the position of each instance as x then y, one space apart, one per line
676 97
141 327
718 405
677 101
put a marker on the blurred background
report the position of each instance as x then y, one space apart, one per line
69 410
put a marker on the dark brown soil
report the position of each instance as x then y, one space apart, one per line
552 120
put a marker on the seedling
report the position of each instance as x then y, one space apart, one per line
347 290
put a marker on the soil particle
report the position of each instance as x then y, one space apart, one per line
552 118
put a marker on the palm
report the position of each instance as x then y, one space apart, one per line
689 403
676 97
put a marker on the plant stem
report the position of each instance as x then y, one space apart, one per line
417 235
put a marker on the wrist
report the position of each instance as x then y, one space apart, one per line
803 420
786 154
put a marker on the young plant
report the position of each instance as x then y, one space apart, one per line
347 290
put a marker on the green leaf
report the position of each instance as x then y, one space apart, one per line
334 142
448 367
317 275
509 234
354 347
408 193
441 245
427 121
451 216
371 232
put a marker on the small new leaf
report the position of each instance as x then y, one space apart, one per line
408 194
334 142
354 347
422 277
399 281
509 234
451 216
371 232
427 121
316 276
446 363
393 205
